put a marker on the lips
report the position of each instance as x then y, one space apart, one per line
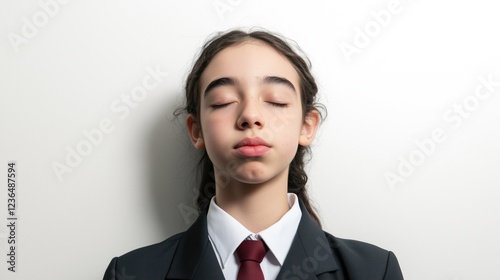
252 147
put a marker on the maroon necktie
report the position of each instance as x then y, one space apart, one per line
251 253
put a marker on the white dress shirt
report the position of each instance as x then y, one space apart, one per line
226 234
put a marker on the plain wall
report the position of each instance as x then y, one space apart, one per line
406 88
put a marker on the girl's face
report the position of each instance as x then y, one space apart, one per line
251 118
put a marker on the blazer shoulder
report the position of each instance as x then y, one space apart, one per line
363 260
355 248
155 250
149 262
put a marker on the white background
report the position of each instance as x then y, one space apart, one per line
62 77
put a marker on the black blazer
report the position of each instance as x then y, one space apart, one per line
314 254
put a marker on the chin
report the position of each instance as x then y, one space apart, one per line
251 178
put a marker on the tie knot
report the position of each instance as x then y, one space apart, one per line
251 250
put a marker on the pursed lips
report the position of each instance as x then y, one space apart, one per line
255 141
252 147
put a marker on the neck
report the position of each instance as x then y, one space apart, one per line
255 206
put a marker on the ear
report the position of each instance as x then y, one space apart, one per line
194 130
309 128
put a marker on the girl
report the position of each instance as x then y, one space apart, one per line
251 107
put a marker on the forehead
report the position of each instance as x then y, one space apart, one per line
249 61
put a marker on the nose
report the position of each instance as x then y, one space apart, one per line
250 115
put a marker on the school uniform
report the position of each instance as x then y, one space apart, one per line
226 234
206 251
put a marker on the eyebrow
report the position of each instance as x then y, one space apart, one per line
279 81
230 81
225 81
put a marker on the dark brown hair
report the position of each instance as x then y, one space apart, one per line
297 177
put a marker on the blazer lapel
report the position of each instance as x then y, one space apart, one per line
310 256
194 257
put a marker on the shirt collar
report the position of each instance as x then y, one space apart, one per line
227 233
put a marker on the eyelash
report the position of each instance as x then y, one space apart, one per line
219 106
281 105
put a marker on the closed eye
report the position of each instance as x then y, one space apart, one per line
219 106
281 105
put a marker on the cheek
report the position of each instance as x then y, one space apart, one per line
289 147
214 127
285 123
279 120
